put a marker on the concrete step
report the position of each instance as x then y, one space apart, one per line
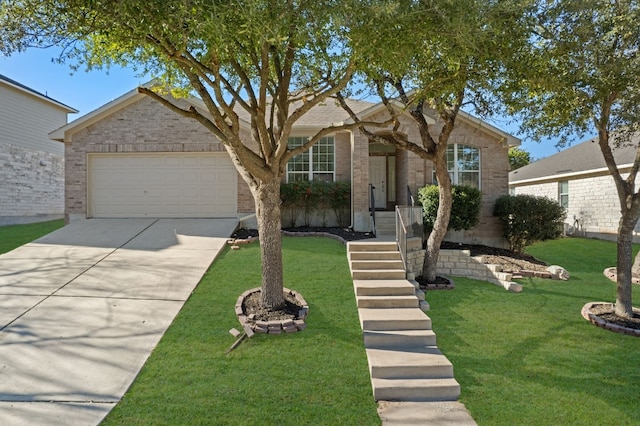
375 255
399 338
377 264
371 246
378 274
415 389
409 363
388 302
400 287
393 319
435 413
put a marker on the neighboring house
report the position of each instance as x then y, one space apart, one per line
31 165
135 158
579 180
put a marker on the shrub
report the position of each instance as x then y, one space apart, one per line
305 198
465 209
339 194
292 201
526 219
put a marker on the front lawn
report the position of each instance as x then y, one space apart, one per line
530 358
13 236
317 376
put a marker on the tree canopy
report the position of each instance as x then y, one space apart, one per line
262 62
578 73
518 157
432 59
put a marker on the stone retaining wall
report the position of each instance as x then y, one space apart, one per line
459 263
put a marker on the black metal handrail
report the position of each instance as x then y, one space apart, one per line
410 200
408 225
372 206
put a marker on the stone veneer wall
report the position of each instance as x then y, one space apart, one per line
593 199
459 263
32 186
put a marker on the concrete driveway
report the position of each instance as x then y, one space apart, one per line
82 308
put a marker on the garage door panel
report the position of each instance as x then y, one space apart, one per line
162 185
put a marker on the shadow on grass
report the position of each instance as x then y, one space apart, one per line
530 358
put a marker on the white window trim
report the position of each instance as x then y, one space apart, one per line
560 193
454 173
310 154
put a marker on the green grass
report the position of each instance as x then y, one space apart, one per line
13 236
318 376
530 358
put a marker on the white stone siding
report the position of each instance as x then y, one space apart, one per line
593 200
32 183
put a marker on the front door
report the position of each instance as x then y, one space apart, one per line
378 178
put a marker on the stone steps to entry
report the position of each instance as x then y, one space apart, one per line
405 364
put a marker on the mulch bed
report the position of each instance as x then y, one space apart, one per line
346 234
253 308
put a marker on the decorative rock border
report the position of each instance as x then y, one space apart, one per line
276 326
612 274
599 322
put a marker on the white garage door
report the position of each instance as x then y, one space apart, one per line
162 185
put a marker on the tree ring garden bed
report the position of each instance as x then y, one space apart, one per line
601 314
289 319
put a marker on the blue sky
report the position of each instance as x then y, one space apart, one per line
86 91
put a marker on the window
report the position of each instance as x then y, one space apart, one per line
463 163
563 193
316 164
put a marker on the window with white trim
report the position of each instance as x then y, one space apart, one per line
563 193
463 163
318 163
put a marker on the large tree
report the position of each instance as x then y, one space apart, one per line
268 61
579 74
518 157
445 56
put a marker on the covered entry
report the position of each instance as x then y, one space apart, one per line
382 174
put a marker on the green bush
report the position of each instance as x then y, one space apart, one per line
339 194
465 209
306 198
526 219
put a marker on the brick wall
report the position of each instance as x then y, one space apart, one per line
416 173
144 126
32 183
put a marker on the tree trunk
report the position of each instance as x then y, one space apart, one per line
267 201
624 306
441 224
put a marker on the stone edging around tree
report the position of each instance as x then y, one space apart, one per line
599 322
274 326
612 274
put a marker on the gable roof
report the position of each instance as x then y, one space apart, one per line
326 113
29 91
585 157
462 116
